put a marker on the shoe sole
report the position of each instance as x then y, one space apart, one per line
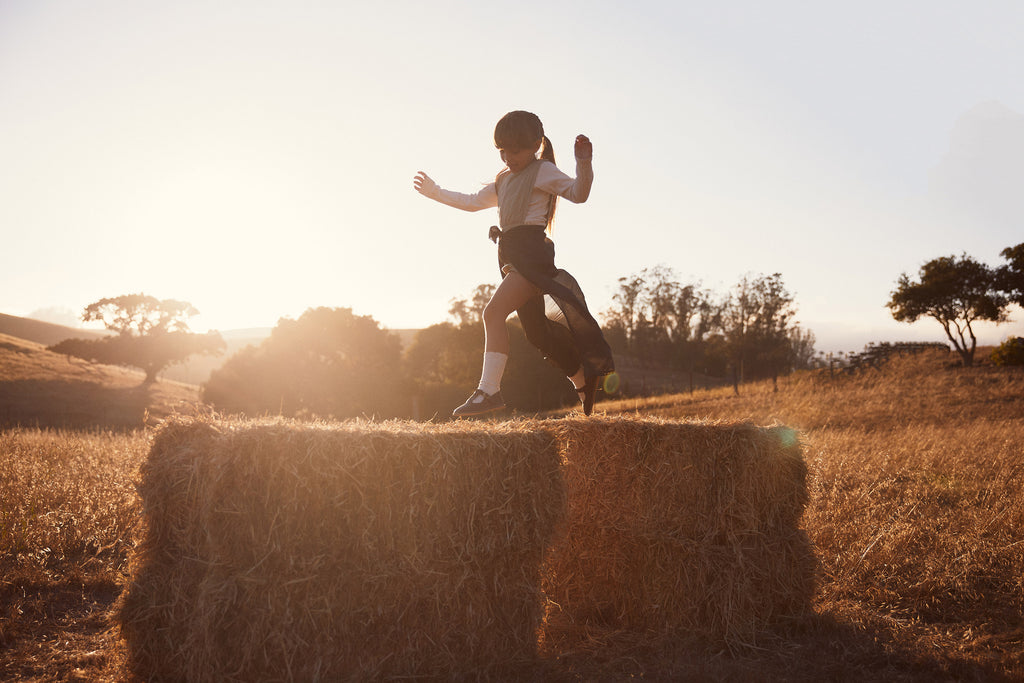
477 412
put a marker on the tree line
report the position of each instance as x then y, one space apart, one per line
332 363
749 332
327 363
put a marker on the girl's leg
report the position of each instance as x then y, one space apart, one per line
553 340
556 343
514 291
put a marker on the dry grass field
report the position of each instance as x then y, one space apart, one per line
916 475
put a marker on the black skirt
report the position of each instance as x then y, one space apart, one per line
579 342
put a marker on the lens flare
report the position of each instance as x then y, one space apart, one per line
789 437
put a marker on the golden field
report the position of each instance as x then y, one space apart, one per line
916 514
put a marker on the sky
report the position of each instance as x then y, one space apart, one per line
256 158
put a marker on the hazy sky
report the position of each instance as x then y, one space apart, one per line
256 158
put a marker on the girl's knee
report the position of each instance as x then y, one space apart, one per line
494 314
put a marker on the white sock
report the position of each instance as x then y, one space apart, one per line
494 368
578 380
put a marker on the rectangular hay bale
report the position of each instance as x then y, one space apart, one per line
687 529
276 550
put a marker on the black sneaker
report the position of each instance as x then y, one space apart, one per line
479 403
587 394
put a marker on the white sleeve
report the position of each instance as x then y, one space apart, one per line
576 190
486 198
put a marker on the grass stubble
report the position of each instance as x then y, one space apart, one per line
916 514
68 511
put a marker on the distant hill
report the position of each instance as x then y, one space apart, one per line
45 389
196 370
41 332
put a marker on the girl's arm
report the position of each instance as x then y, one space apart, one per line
577 190
486 198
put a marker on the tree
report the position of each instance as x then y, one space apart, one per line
140 315
956 292
681 319
665 311
756 321
668 324
151 353
446 353
328 363
1010 277
660 320
801 349
624 318
471 311
150 334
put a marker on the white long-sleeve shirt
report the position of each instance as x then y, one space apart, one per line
550 180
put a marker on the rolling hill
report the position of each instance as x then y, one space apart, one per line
45 389
41 332
194 371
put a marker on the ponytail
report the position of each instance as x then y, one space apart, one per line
547 153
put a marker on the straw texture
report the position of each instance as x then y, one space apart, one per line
283 551
683 529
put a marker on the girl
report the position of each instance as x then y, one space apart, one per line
525 192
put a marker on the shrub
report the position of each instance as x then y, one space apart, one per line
1010 352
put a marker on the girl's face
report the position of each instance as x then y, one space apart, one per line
518 159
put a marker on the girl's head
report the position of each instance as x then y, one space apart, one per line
518 136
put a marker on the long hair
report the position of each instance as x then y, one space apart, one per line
521 130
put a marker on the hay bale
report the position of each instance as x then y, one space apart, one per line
683 529
285 551
277 550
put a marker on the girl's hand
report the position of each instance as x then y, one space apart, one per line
584 148
424 185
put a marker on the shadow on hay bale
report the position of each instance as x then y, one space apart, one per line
686 530
280 551
277 550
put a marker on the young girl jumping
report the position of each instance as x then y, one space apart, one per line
525 192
